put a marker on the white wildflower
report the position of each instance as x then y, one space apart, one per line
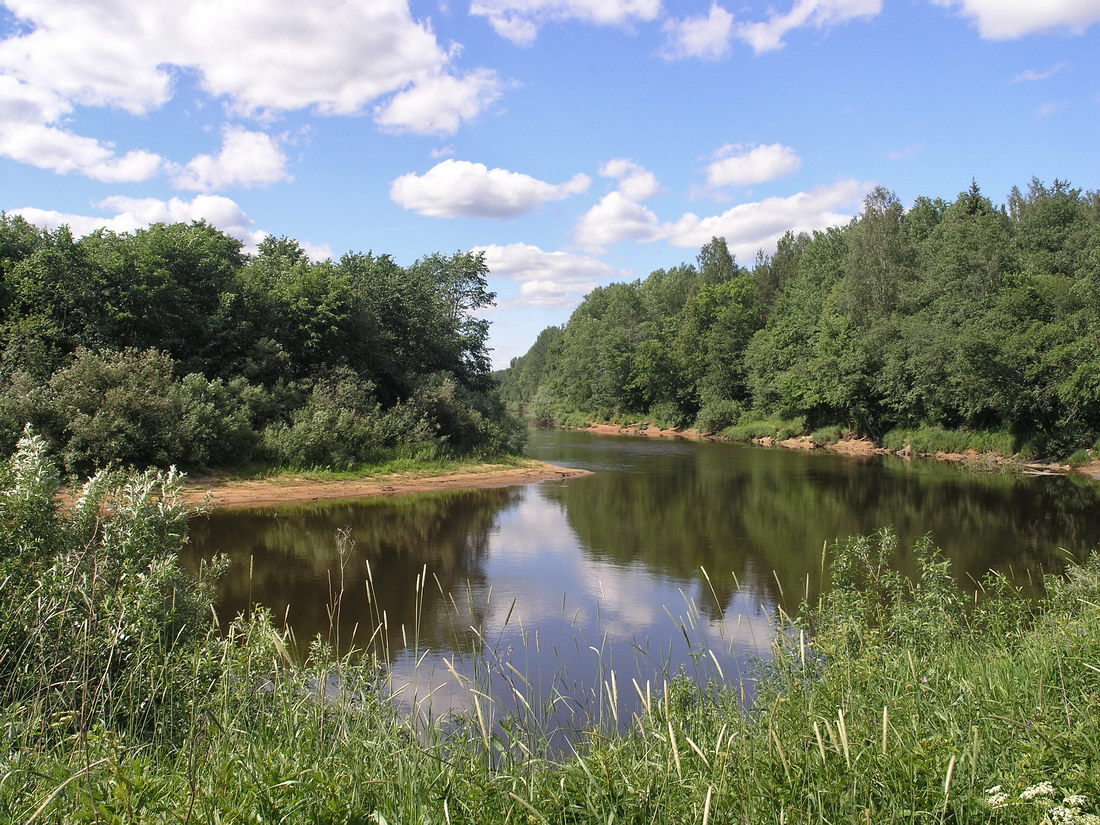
1061 814
995 789
1076 801
1042 789
997 800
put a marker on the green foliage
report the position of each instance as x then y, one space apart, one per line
169 346
892 699
826 435
668 415
718 415
939 440
960 316
779 429
98 615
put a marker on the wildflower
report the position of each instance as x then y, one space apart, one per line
1042 789
1061 814
1076 801
997 800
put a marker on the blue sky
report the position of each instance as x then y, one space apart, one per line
576 142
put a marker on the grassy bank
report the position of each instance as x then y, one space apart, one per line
425 463
890 701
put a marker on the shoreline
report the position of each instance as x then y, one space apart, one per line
221 493
856 447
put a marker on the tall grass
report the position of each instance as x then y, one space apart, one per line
937 439
891 700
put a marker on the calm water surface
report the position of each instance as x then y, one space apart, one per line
585 585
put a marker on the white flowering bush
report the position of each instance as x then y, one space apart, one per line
1043 798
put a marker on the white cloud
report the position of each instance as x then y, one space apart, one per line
741 165
707 36
558 279
317 251
635 181
458 188
904 152
746 227
768 35
1010 19
1048 109
261 56
615 218
128 214
246 159
519 20
1032 75
440 104
26 135
749 227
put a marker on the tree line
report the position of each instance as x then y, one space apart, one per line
946 316
171 345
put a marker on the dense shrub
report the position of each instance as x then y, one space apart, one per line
717 415
667 414
97 610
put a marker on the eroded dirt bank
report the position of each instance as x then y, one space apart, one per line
218 492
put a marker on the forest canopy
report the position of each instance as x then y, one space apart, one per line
960 315
170 345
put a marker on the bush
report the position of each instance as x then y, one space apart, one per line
212 424
826 435
938 439
97 611
339 426
469 421
1079 458
778 428
668 415
113 407
718 415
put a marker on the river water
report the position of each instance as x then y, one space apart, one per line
570 596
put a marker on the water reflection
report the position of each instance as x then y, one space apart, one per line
568 597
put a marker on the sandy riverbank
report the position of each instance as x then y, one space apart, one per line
220 492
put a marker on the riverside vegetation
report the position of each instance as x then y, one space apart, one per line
890 699
945 326
170 346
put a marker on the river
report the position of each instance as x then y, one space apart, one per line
673 557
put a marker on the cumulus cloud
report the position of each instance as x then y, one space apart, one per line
26 135
555 279
746 227
440 104
519 20
1010 19
1032 75
461 189
127 214
706 36
614 219
742 165
768 35
749 227
335 57
246 159
635 181
124 214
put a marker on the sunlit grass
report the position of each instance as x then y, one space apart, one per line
890 700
